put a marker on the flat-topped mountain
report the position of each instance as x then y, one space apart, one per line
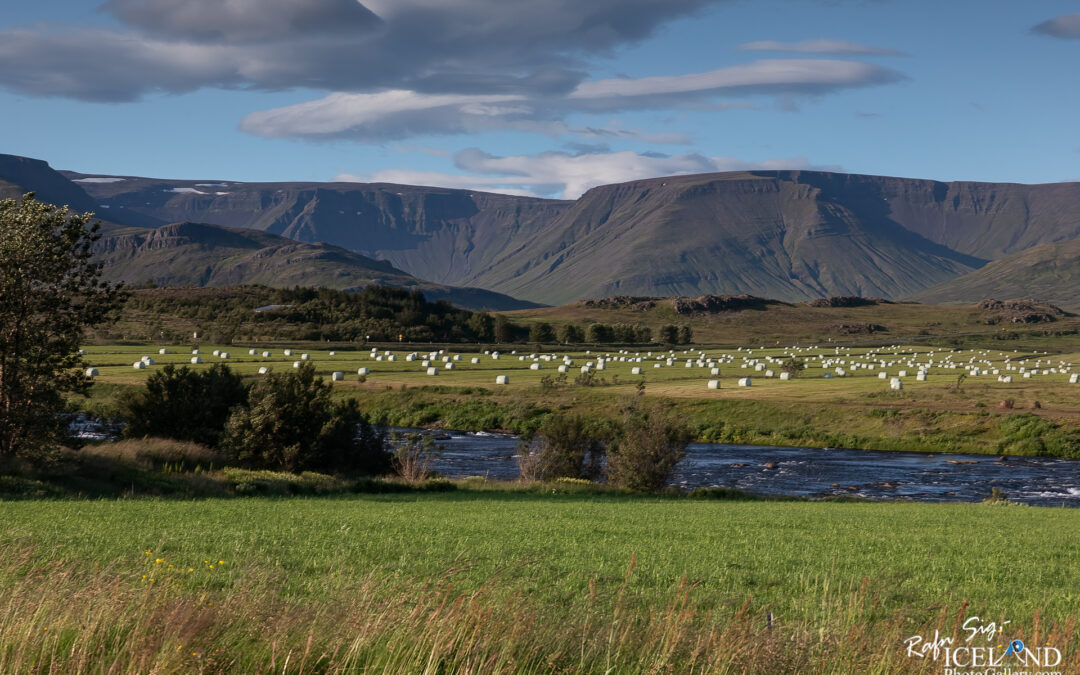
790 235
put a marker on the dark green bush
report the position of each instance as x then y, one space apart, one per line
183 404
291 424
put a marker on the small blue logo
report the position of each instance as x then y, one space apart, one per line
1015 647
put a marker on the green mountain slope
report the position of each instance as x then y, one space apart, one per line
193 254
1048 272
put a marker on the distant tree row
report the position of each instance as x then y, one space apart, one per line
593 333
676 335
376 313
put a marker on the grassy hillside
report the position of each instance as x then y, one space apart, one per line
1049 272
498 580
193 254
757 322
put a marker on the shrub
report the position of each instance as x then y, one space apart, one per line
413 456
183 404
563 447
1029 434
793 366
647 447
291 424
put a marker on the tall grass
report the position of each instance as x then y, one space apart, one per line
519 581
75 617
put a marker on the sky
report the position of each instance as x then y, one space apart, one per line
542 97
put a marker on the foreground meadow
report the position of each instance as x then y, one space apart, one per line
490 579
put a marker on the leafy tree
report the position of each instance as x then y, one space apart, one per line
669 334
646 449
563 447
570 334
541 333
185 404
686 334
504 330
49 293
598 333
290 423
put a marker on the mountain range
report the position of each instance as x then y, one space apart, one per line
790 235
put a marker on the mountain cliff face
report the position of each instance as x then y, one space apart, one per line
791 235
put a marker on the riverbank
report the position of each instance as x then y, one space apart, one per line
520 581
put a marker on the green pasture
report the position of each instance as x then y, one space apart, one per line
115 365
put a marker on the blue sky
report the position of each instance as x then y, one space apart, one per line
538 97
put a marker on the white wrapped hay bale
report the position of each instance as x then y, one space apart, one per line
535 366
163 351
147 360
502 379
253 352
333 353
217 352
91 372
224 355
433 371
633 371
785 375
139 365
296 364
745 382
714 384
450 365
266 355
288 352
305 357
263 370
474 360
564 368
896 384
337 376
196 360
363 371
196 351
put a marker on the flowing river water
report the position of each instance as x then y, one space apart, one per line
804 472
815 472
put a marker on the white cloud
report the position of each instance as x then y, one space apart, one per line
565 174
771 76
1065 27
401 113
834 47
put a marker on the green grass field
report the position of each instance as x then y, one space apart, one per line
501 580
858 410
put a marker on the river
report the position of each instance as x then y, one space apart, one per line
816 472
